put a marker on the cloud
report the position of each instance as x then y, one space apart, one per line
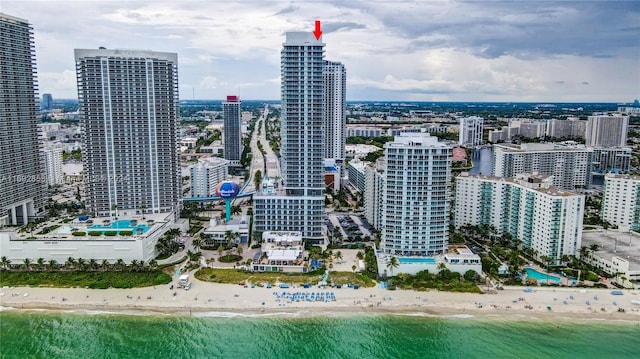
454 50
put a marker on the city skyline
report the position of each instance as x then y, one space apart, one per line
405 51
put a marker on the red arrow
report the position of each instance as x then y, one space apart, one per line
318 32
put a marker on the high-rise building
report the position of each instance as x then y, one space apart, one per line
298 204
608 130
569 164
207 174
128 106
415 220
335 80
621 201
22 176
232 116
611 159
471 131
541 217
373 194
569 128
53 164
46 103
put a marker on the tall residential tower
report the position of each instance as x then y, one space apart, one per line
232 116
128 105
298 203
22 178
335 79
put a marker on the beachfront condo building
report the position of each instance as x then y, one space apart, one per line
568 163
206 175
22 176
335 124
621 201
128 107
373 193
298 202
53 163
607 130
471 131
417 179
538 215
232 116
611 159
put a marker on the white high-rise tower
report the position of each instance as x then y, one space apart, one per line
298 203
128 104
335 79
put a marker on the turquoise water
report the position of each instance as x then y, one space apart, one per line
122 224
541 277
48 335
409 260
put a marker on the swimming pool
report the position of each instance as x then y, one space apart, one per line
416 260
121 224
541 277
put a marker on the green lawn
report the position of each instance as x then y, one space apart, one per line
235 276
101 280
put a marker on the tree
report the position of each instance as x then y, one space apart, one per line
393 263
257 180
26 264
119 265
547 260
40 264
5 262
53 264
93 264
240 250
220 250
142 209
584 252
338 256
115 208
197 243
105 265
353 268
70 263
153 264
230 237
594 248
360 255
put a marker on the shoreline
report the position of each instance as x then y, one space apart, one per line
227 300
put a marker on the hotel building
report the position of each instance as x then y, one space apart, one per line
128 105
540 216
206 175
298 203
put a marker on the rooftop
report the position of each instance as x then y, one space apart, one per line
625 245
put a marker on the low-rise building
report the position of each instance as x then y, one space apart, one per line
616 255
218 232
281 252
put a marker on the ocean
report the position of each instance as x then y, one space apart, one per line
287 335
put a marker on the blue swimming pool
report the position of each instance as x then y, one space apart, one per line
414 260
121 224
541 277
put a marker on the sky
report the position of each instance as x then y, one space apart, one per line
513 51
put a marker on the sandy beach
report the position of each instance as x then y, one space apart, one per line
225 299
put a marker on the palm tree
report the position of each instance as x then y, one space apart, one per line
105 265
360 255
70 263
134 265
5 262
142 208
153 264
338 256
26 264
115 208
93 264
584 252
119 265
40 264
220 249
53 264
393 263
231 236
594 248
240 250
197 243
547 260
82 264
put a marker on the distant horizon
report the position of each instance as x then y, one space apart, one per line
630 103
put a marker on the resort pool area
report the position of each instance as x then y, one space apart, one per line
121 224
415 260
541 277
